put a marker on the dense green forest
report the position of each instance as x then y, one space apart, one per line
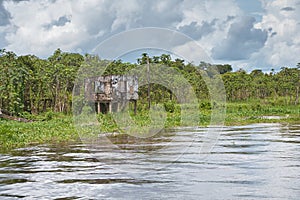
29 84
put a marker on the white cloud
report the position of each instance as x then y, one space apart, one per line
207 22
31 35
193 52
40 27
208 10
91 21
242 40
283 45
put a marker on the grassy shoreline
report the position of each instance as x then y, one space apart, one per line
58 128
18 134
242 113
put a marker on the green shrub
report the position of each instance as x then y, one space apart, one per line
205 105
169 106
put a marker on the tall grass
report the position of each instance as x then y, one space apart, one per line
57 128
18 134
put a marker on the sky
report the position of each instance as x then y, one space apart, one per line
248 34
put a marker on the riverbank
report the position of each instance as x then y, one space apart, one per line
59 128
18 134
242 113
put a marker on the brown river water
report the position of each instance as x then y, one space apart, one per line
259 161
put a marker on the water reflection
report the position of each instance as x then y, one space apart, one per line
259 161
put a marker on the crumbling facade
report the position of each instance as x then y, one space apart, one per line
112 93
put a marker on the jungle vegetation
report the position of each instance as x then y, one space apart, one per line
31 85
41 90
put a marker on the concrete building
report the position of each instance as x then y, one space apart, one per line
112 93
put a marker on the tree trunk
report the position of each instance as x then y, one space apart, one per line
297 96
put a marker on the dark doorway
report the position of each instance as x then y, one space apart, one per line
104 107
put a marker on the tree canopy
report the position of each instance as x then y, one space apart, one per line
34 85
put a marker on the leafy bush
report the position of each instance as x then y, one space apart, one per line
169 106
205 105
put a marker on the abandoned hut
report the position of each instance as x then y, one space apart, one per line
112 93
